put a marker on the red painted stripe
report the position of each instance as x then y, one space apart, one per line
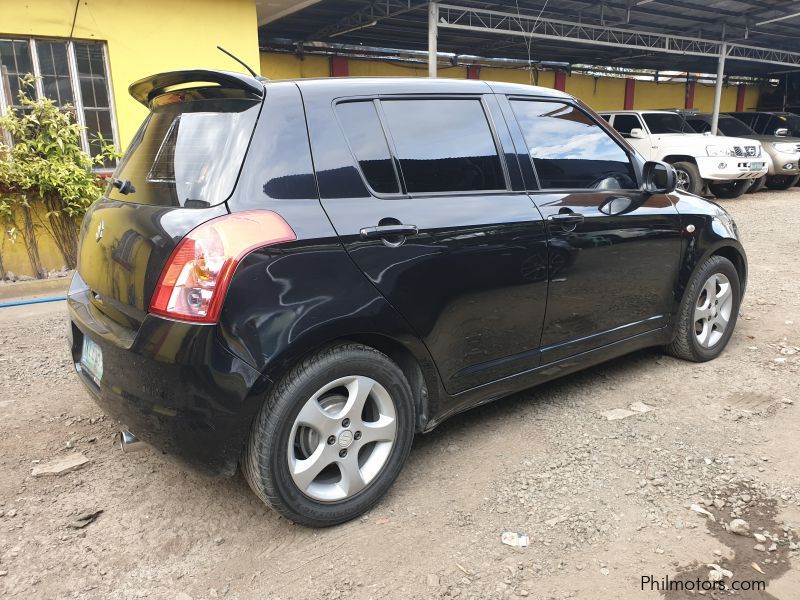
630 90
740 98
339 66
561 81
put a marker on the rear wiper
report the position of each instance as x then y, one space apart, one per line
124 186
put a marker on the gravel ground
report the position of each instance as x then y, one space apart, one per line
604 502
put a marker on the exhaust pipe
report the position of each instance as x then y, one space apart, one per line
129 442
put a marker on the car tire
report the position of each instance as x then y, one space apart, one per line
699 336
757 185
687 177
327 388
782 182
729 189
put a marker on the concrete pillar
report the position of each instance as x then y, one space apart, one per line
561 81
630 89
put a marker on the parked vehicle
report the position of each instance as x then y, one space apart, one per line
726 166
782 153
782 124
296 277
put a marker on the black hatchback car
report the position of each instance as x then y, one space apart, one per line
295 277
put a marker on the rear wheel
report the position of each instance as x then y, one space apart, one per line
708 311
688 177
757 184
332 437
782 182
729 189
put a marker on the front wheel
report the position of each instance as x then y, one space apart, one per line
687 177
757 185
332 436
708 311
729 189
782 182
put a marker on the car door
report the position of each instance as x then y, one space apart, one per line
438 219
614 250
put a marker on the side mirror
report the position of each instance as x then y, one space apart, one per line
637 133
659 177
781 132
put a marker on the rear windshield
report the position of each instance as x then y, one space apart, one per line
667 123
189 150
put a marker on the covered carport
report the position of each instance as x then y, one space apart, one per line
742 38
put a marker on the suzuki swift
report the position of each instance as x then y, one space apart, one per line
293 278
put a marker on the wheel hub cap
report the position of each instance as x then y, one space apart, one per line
712 311
682 182
342 438
345 439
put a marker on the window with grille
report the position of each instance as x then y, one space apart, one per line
68 72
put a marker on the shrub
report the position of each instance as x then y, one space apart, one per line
45 164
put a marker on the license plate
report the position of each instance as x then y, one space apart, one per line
756 166
92 359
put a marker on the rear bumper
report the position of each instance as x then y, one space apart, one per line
726 168
174 385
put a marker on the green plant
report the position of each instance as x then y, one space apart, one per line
45 164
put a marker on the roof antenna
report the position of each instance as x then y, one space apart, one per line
240 61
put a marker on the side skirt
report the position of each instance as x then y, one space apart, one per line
507 386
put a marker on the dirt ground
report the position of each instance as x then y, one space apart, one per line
604 502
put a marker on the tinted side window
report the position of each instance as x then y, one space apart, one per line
569 150
364 132
444 145
624 123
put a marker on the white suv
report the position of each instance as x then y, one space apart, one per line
727 165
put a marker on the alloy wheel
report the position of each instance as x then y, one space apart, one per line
342 438
682 180
712 311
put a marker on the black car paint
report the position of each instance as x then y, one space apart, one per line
463 321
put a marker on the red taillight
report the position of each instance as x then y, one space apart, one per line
195 279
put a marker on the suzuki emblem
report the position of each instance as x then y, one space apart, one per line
100 228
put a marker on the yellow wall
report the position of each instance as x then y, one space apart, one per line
601 93
289 66
14 254
649 94
144 37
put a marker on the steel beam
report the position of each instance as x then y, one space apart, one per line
373 13
506 23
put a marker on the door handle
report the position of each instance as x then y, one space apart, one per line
383 231
570 218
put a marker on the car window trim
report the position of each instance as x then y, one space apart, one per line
404 194
376 106
625 114
630 153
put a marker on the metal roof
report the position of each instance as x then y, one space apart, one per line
665 35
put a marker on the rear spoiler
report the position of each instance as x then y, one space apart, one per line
148 88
